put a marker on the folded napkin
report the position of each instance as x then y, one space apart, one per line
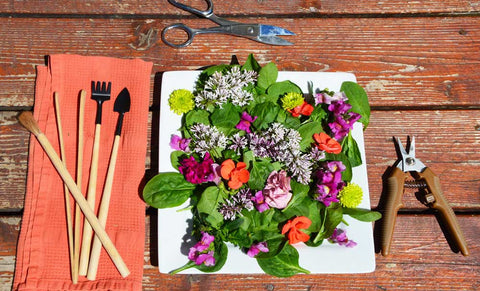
42 252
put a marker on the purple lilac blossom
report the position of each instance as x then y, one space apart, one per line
256 248
329 182
260 203
179 144
201 252
245 122
197 172
339 236
235 204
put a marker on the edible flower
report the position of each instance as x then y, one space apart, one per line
235 175
245 122
293 226
197 172
277 191
326 143
179 144
259 200
257 248
329 182
181 101
303 109
351 195
202 252
292 100
339 236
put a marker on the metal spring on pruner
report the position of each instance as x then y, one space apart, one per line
415 184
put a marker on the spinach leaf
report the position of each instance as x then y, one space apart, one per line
227 116
362 214
267 76
279 89
266 113
357 97
167 190
306 132
351 150
208 204
333 216
284 264
251 64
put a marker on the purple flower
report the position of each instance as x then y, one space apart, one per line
277 191
329 182
256 248
179 144
201 252
260 203
339 236
245 122
344 120
197 172
327 99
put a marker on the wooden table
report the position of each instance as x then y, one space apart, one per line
418 60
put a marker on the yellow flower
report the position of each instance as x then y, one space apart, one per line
181 101
292 100
351 195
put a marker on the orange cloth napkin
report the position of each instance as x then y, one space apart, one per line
42 251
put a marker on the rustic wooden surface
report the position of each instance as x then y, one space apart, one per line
418 60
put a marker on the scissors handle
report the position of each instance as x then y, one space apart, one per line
180 26
202 13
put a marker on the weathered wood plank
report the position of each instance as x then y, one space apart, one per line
447 141
426 61
419 254
269 7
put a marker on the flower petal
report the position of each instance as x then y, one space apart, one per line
226 168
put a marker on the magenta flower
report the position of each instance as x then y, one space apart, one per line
201 252
329 182
339 236
277 191
344 120
179 144
256 248
260 203
245 122
327 99
197 172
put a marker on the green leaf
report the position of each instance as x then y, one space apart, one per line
259 174
279 89
226 117
362 214
208 204
306 132
351 150
267 76
357 97
251 64
318 114
333 216
167 190
197 116
284 264
175 158
266 113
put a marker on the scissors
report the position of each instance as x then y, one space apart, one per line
406 165
259 32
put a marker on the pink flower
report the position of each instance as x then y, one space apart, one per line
245 122
201 252
339 236
277 191
260 203
256 248
179 144
197 172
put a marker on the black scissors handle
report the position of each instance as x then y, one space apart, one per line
207 13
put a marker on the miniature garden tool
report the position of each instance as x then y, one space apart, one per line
259 32
122 105
100 93
27 120
433 196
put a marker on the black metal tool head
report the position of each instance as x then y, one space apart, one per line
122 103
100 93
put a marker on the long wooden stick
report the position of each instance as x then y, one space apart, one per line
103 211
78 216
68 211
92 186
27 120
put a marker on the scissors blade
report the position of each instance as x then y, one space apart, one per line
273 40
271 30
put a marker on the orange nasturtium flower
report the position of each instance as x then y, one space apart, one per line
303 109
235 175
326 143
293 226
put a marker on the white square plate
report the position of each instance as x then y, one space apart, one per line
173 227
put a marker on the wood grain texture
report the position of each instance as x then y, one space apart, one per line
425 61
419 254
247 7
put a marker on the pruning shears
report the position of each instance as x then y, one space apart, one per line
424 178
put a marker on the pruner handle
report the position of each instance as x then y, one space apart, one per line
395 184
446 212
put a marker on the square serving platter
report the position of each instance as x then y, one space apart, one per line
174 223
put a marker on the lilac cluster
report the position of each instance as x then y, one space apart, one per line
202 252
343 119
207 138
197 172
223 87
282 144
235 204
329 182
339 236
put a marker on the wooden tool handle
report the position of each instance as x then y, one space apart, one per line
447 214
103 211
26 119
91 193
395 185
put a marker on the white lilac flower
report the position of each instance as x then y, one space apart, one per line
238 142
207 138
235 204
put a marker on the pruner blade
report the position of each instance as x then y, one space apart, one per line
407 160
268 34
